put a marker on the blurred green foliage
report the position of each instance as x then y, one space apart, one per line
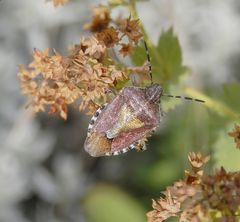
224 153
108 203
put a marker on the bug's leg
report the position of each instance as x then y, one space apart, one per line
140 145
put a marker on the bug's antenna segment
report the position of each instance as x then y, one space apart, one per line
149 60
184 97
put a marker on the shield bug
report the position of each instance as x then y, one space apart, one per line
125 123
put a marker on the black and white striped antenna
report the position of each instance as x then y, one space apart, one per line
150 73
149 61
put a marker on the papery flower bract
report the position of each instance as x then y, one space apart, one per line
163 209
181 191
101 19
92 47
126 49
130 28
197 160
108 36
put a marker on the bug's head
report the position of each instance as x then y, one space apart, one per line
154 93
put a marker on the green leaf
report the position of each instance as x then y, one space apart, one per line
231 92
225 152
168 61
106 203
166 58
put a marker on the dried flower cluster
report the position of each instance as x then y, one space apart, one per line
112 32
236 135
87 73
200 197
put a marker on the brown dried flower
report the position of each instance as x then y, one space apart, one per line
181 190
221 192
214 198
57 3
92 47
101 19
236 135
130 28
42 81
197 160
164 208
112 31
108 36
126 49
55 81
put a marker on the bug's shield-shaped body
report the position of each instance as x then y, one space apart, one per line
124 123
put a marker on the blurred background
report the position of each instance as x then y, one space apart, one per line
45 175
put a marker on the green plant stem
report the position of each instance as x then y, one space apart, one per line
154 52
213 104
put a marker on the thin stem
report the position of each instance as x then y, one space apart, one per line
213 104
134 13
